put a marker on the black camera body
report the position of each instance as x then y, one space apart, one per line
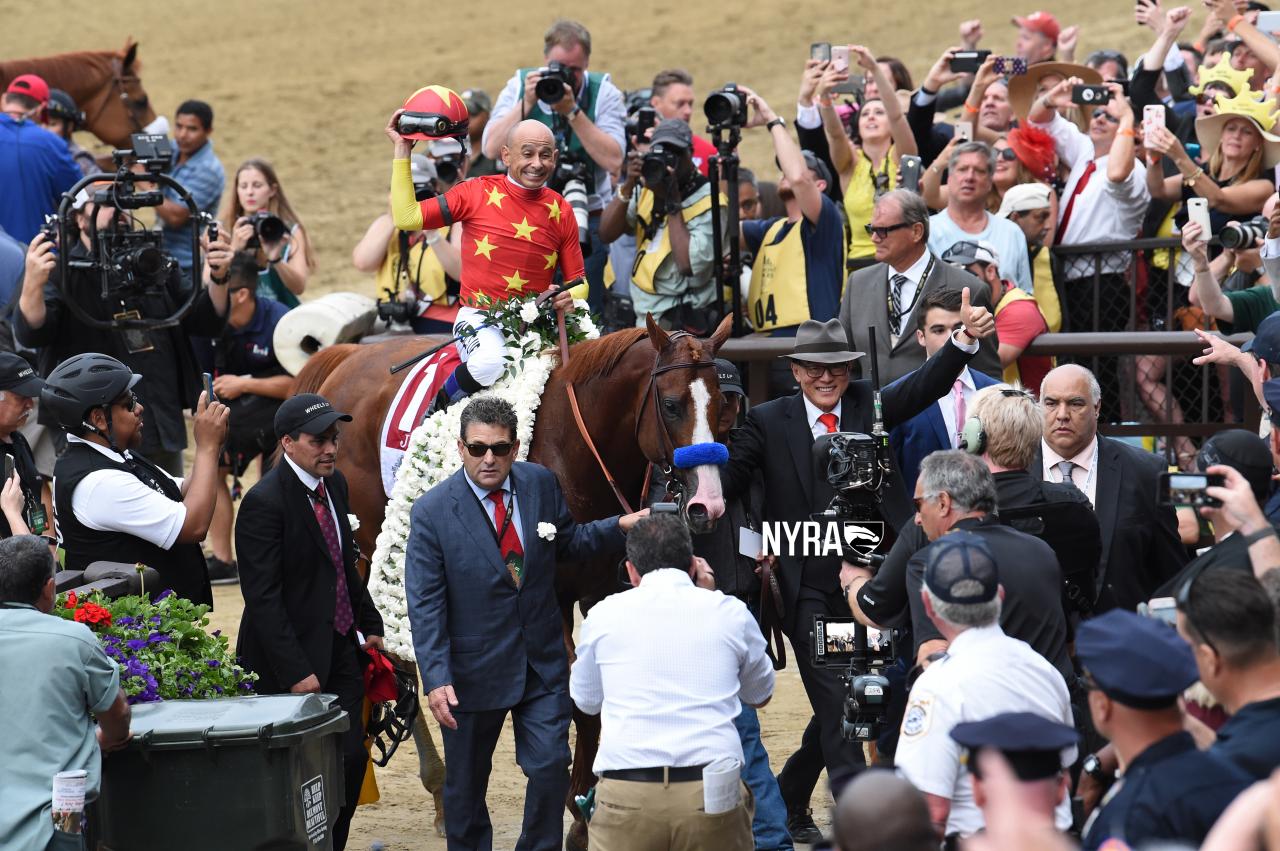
726 107
1090 95
267 227
1243 234
551 82
657 161
395 311
864 653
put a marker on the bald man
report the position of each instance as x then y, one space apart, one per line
878 810
1140 545
516 233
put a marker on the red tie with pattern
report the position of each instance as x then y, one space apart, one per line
509 545
830 422
343 617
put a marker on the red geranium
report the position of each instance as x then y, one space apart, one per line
71 600
92 613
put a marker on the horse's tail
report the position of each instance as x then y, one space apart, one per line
320 366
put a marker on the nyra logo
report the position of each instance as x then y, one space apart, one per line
825 537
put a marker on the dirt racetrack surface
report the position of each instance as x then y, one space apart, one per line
310 85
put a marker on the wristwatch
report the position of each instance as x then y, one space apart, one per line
777 122
1092 766
574 112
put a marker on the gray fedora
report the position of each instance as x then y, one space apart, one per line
823 342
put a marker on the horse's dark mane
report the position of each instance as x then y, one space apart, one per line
594 358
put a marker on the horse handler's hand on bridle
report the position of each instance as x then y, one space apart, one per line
439 700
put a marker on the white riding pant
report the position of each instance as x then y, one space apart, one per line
482 351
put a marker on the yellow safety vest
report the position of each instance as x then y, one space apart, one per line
647 262
1011 373
1046 293
423 265
779 293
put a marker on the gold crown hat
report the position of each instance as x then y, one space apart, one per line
1259 113
1224 74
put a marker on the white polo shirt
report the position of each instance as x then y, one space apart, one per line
984 673
117 501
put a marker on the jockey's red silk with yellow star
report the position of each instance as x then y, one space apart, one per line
513 238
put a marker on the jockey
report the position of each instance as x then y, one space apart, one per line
516 231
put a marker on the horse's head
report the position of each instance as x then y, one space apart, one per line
679 432
125 108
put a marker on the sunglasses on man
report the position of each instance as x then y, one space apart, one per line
882 232
478 450
815 370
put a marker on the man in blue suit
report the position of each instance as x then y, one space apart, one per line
936 427
480 580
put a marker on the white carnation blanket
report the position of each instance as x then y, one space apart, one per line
431 457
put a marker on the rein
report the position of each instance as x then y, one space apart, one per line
117 84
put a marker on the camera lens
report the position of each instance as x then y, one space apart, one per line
146 264
270 228
721 107
550 88
447 170
653 169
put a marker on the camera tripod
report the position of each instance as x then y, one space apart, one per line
728 273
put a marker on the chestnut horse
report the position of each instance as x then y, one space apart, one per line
104 84
638 403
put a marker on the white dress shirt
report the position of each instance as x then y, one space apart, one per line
508 498
1104 211
812 411
947 404
913 274
968 685
311 482
118 501
665 665
1083 474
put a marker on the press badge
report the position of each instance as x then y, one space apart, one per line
136 340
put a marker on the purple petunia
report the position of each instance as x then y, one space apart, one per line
213 663
166 593
159 638
136 644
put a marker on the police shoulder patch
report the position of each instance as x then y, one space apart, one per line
916 720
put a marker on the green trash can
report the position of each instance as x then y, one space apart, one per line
238 773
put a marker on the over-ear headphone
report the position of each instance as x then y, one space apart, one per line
973 437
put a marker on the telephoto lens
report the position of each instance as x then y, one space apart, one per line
1243 234
575 192
270 227
726 107
550 86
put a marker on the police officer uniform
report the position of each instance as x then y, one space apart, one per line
17 376
1171 790
983 673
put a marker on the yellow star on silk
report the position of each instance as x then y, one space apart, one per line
485 247
495 198
551 260
515 282
553 211
524 230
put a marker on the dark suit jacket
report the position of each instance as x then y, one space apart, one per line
776 440
926 432
865 304
1141 549
472 627
289 581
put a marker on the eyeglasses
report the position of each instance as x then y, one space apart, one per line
815 370
1100 112
882 232
478 450
129 402
1007 154
918 501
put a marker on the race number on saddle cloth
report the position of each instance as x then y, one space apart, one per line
514 239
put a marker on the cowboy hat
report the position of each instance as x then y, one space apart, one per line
1209 128
822 342
1022 88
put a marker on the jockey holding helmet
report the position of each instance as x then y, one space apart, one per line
516 231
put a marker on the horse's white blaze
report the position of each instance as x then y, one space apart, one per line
707 476
701 404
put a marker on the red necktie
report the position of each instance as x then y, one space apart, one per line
1071 202
829 420
343 617
509 545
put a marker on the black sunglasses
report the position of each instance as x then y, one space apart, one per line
1100 112
1007 154
129 402
882 232
815 370
478 450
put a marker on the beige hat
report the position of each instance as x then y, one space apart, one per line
1022 88
1024 197
1246 106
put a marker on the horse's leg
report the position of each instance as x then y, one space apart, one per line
430 765
585 746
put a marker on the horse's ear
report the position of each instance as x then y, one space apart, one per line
130 52
657 336
722 332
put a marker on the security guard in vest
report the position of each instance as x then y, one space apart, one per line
674 273
115 505
1135 669
19 388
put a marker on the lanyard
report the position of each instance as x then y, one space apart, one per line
888 300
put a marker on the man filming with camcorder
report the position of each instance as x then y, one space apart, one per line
142 284
586 113
673 276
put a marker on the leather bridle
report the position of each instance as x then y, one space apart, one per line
118 79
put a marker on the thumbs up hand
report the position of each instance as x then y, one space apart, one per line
978 321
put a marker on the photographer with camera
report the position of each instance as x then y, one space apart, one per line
422 269
45 322
673 276
260 219
671 96
983 673
200 172
1238 309
35 165
26 503
586 113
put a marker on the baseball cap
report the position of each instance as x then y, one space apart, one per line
1137 661
309 413
17 375
815 164
1041 22
439 148
1032 744
960 568
673 131
476 100
1271 394
1024 197
31 86
967 251
422 169
1265 344
729 377
1244 452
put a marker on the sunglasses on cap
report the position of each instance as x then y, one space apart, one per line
499 450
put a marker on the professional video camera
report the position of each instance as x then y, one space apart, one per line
554 77
864 653
126 255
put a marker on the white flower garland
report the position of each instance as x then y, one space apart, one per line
432 457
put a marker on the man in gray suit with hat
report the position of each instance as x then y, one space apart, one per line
777 442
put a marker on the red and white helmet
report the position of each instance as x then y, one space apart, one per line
434 112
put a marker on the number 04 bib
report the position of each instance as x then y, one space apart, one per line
779 294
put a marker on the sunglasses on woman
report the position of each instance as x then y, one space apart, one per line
478 450
1006 154
1100 112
